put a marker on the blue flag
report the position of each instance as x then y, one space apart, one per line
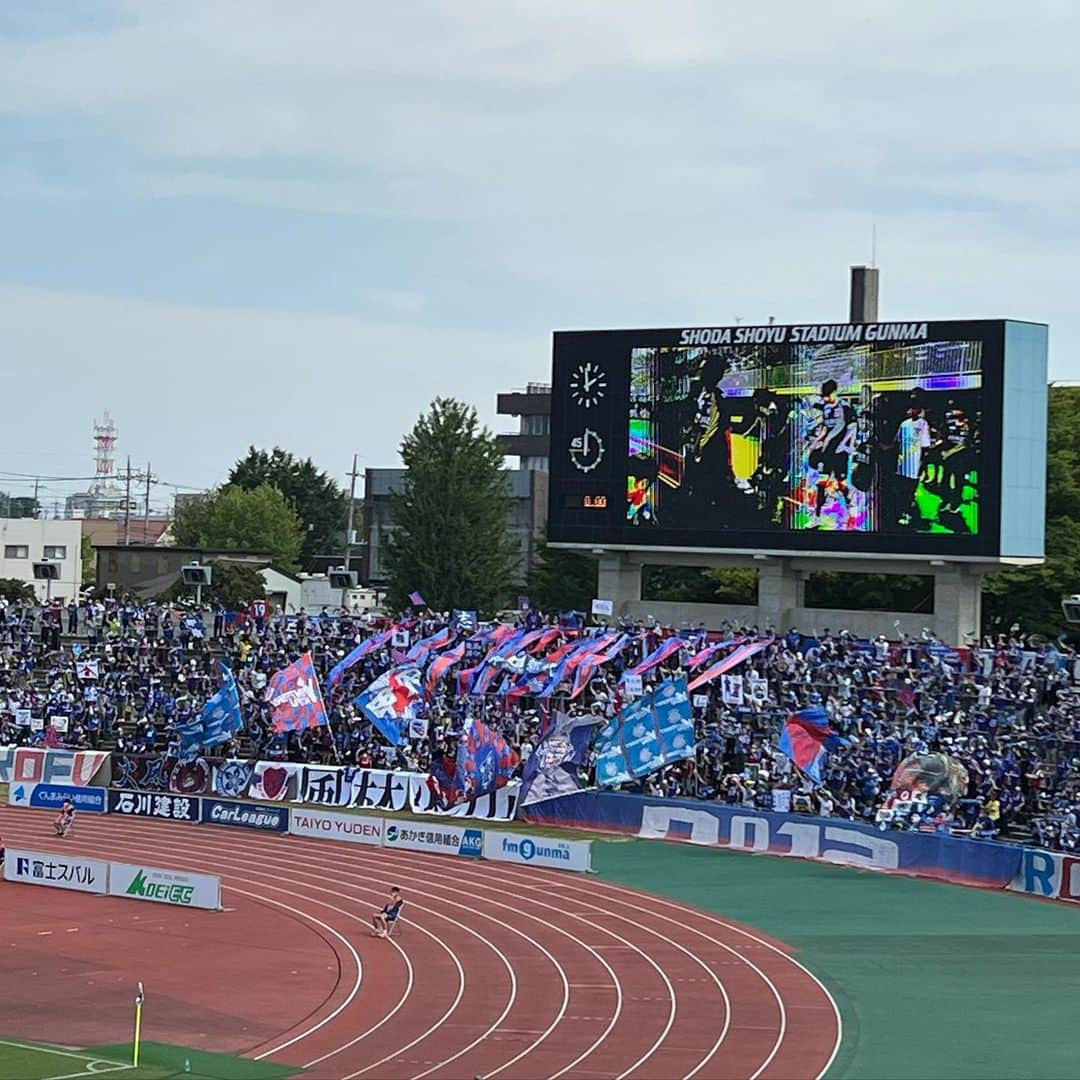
552 770
390 702
648 734
220 718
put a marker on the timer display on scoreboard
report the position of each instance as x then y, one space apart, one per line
586 502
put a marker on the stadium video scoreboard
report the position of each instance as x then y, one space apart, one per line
907 438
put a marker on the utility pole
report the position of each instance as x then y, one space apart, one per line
349 530
127 505
146 508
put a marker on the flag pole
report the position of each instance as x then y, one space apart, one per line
138 1027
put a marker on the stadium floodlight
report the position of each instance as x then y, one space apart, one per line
196 574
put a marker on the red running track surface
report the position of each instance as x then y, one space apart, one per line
498 970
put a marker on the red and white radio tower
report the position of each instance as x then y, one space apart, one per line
105 461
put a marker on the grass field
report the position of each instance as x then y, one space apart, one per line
30 1061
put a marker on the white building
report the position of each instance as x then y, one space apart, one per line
25 541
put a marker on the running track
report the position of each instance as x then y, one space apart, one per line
500 971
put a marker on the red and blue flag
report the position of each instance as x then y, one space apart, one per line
807 738
295 697
485 760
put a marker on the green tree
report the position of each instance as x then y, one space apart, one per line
14 591
232 519
320 504
89 561
450 537
561 580
698 585
1032 596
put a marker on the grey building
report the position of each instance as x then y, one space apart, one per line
147 570
531 443
529 489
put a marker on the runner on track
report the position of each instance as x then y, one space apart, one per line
383 919
65 819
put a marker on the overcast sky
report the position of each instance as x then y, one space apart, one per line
237 222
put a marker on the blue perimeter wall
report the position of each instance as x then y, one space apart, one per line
949 858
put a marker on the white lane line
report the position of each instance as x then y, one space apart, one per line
200 853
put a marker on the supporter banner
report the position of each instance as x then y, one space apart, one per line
176 887
1048 873
538 851
950 858
324 786
267 818
92 800
133 772
81 768
270 781
325 824
58 871
498 805
444 839
231 778
146 804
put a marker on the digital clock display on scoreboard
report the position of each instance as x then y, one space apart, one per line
586 502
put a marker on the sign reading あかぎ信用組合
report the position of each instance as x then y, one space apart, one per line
443 839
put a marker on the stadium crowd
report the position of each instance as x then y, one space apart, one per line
125 674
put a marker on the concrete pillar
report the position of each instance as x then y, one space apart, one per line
619 580
780 589
958 603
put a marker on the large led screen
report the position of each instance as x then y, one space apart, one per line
878 438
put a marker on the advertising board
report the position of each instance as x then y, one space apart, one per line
57 871
244 815
177 887
1050 874
442 839
91 800
325 824
948 858
145 804
897 438
538 851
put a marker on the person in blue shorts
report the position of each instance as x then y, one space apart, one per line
66 818
385 918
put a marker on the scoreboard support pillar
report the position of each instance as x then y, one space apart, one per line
781 601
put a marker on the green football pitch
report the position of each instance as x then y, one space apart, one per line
32 1061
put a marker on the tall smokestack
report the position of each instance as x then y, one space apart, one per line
864 294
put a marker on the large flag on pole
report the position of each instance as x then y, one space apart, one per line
552 769
390 702
485 760
367 646
648 734
807 738
296 698
744 652
221 717
664 651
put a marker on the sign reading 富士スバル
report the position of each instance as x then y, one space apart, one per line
444 839
59 871
165 886
144 804
356 828
245 815
538 851
91 800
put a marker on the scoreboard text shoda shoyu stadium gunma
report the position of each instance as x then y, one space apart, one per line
909 438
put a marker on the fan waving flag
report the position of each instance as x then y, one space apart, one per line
440 666
416 599
390 702
296 698
485 760
221 717
648 734
554 766
807 739
369 645
664 651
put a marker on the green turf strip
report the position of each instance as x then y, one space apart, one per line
932 980
171 1060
